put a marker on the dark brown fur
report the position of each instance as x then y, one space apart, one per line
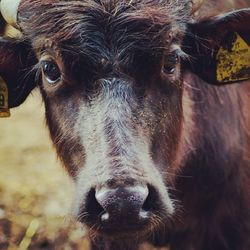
217 173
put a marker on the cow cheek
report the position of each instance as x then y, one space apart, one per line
60 121
167 133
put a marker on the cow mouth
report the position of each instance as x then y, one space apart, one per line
124 232
127 231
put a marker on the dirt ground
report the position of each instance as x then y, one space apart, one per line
35 191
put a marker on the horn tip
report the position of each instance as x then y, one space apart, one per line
9 9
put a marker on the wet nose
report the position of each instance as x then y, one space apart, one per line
123 204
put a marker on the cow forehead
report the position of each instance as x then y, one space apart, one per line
140 22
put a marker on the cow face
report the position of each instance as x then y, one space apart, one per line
111 79
112 91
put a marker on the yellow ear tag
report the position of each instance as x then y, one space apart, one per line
4 109
233 60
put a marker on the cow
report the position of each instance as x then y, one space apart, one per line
146 113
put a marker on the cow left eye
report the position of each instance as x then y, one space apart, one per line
51 72
170 62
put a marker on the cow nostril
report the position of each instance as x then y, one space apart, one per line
152 201
93 207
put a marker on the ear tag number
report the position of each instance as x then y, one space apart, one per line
233 59
4 109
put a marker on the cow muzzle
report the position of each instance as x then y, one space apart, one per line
122 210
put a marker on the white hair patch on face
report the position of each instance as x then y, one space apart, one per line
117 148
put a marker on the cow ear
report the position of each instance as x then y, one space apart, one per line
219 48
16 71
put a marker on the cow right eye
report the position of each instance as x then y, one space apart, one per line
51 72
170 62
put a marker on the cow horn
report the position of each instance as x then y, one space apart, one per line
196 4
9 9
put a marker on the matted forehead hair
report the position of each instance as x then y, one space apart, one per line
145 24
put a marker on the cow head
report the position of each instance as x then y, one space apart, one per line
111 77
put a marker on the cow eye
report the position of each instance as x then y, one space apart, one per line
51 71
170 62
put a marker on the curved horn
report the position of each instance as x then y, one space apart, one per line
196 4
9 9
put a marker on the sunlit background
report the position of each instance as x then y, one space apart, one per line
35 192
